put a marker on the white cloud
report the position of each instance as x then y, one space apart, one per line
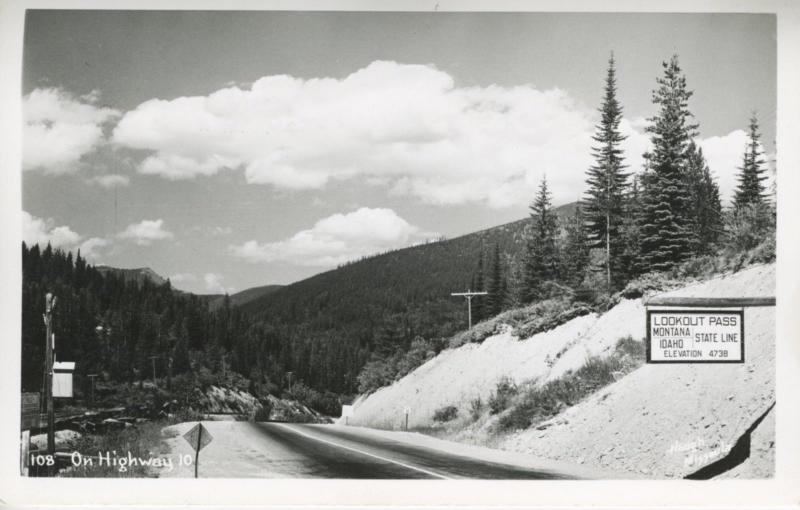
407 128
60 129
724 156
183 278
91 247
336 239
214 284
39 231
403 126
146 232
111 180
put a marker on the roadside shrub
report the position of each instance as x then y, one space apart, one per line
327 402
264 411
505 390
647 283
748 226
476 408
539 403
444 414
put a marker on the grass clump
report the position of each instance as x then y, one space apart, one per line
445 414
504 392
476 408
538 403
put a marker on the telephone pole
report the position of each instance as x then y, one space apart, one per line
91 378
153 359
50 304
469 295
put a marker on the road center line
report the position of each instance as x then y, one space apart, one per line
362 452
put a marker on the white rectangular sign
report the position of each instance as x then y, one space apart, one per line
695 336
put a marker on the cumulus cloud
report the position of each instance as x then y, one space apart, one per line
214 284
40 231
111 180
91 248
183 278
408 127
146 232
59 129
336 239
724 156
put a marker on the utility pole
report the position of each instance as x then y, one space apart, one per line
50 304
289 376
91 378
169 373
153 359
469 295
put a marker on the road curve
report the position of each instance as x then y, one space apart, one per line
339 452
292 450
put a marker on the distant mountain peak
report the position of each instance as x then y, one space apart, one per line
137 274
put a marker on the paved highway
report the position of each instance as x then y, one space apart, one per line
283 450
338 452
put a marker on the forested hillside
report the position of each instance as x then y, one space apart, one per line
111 324
218 301
323 330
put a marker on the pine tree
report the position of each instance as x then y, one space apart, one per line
495 301
630 258
751 189
576 250
478 304
603 206
541 260
667 232
706 208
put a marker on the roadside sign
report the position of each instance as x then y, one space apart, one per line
198 437
62 378
695 336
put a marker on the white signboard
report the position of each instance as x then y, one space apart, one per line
62 378
695 336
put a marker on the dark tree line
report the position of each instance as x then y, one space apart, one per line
633 223
112 326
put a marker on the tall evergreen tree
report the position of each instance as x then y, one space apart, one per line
603 205
479 284
541 260
667 232
706 208
497 284
751 189
630 258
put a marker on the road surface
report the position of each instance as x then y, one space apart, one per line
282 450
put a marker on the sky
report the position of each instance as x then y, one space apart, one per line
227 150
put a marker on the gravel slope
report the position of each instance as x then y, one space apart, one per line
660 420
670 420
457 376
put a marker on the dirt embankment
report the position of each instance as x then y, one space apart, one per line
660 420
672 420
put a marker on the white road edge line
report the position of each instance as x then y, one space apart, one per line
362 452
